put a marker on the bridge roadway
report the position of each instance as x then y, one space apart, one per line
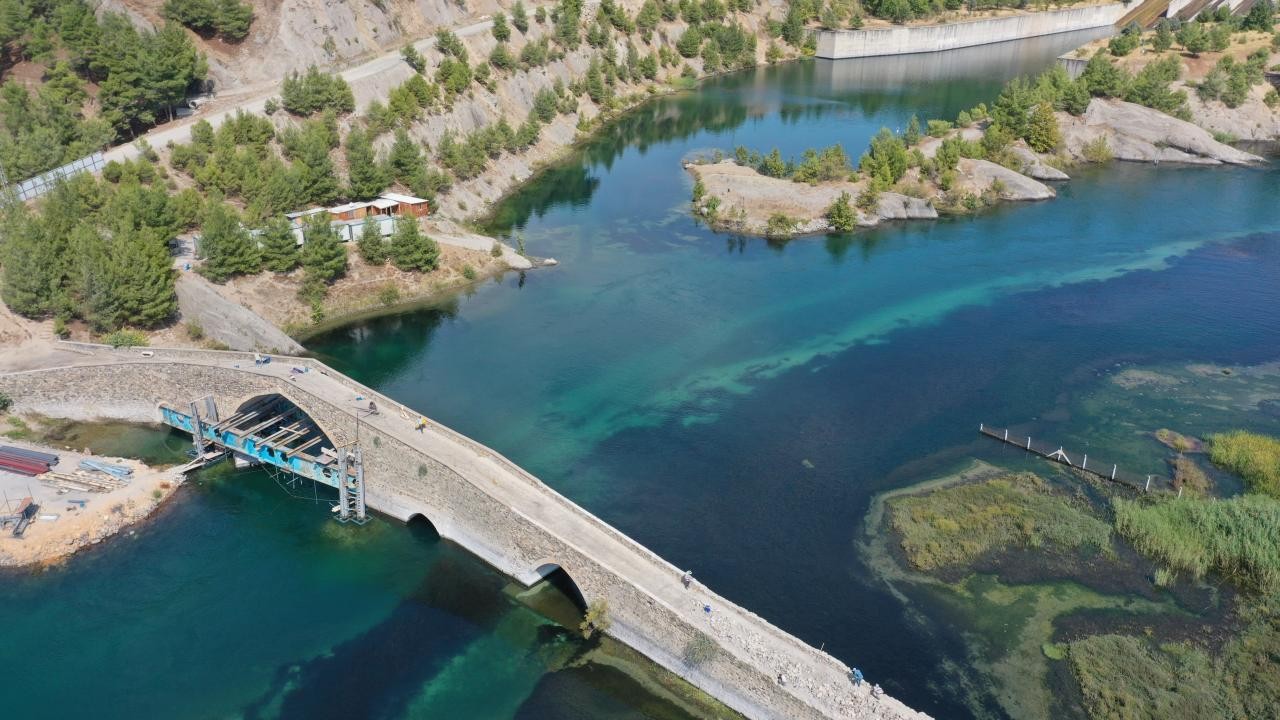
456 485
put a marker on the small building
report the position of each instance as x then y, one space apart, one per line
347 219
349 211
407 205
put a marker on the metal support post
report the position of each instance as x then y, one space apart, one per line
361 516
344 502
197 432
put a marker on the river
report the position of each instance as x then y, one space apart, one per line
733 404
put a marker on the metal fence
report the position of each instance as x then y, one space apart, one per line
41 184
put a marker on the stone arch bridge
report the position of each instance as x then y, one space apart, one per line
481 501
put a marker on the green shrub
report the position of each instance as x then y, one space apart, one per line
596 619
938 128
468 272
6 402
389 295
195 330
1097 150
841 215
779 226
125 338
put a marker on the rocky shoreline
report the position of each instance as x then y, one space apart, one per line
739 199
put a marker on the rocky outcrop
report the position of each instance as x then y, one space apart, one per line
739 199
979 176
895 206
1035 167
1141 134
229 322
1253 120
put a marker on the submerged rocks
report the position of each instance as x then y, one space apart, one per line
1141 134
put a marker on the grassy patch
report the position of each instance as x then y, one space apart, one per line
1128 677
1235 538
1123 676
1256 458
955 525
1189 477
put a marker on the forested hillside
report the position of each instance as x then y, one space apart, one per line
74 83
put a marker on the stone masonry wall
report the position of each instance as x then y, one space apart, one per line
403 481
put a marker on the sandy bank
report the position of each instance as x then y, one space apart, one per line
62 527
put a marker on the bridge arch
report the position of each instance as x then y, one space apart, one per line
556 576
421 527
273 428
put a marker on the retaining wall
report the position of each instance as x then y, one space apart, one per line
839 44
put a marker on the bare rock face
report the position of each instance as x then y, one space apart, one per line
1034 167
980 175
894 206
1140 134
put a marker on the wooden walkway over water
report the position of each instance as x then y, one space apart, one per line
1095 467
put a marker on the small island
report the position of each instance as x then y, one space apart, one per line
1136 109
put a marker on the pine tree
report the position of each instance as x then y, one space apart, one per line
316 175
372 249
365 177
501 31
323 257
519 17
30 278
410 249
405 158
279 246
841 215
142 276
912 135
1043 134
226 246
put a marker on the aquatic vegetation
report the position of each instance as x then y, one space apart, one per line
1188 476
1124 676
1254 457
1234 538
954 525
1175 680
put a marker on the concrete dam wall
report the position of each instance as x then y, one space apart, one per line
839 44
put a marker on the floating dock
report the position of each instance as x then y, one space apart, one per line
1095 467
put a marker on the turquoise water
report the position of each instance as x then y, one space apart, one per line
732 403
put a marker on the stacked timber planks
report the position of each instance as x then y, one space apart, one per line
25 462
